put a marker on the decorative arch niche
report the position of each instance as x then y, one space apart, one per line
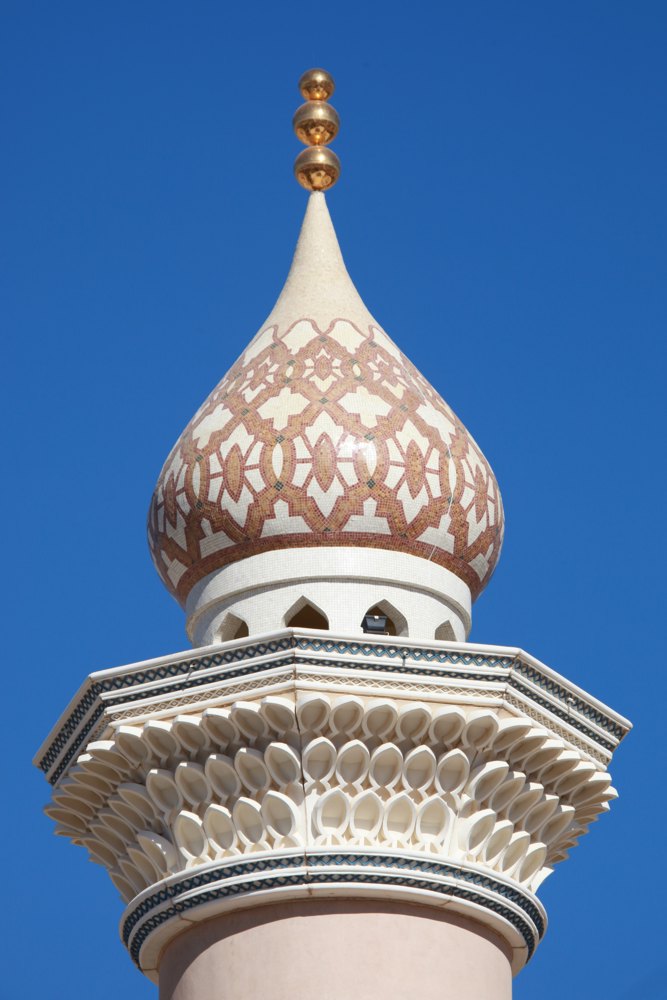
232 627
445 632
304 614
397 623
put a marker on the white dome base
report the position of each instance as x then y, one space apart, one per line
421 599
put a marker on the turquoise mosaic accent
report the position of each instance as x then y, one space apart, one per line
410 661
407 872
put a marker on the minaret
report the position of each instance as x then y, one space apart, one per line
335 794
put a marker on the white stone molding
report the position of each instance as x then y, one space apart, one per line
342 582
357 769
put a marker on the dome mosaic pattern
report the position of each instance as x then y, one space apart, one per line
324 437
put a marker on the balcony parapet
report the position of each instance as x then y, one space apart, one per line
307 764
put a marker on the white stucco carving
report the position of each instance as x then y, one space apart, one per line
338 749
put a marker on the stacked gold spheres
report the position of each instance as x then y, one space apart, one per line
316 125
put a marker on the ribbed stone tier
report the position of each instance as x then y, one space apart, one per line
306 765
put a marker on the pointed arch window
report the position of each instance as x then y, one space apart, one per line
305 614
385 614
232 627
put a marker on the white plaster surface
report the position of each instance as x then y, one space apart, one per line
343 583
318 284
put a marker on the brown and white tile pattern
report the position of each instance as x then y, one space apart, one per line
324 436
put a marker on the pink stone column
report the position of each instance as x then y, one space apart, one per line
336 950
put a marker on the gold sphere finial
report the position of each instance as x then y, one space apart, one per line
316 85
316 125
317 168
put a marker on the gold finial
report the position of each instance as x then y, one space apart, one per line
316 85
316 124
317 168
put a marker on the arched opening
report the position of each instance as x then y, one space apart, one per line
445 632
384 619
232 627
303 614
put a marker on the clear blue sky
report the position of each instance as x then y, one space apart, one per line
503 213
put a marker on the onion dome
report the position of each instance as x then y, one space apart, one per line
323 434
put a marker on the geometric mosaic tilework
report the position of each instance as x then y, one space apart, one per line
324 437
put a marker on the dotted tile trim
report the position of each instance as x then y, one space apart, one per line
172 674
136 930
